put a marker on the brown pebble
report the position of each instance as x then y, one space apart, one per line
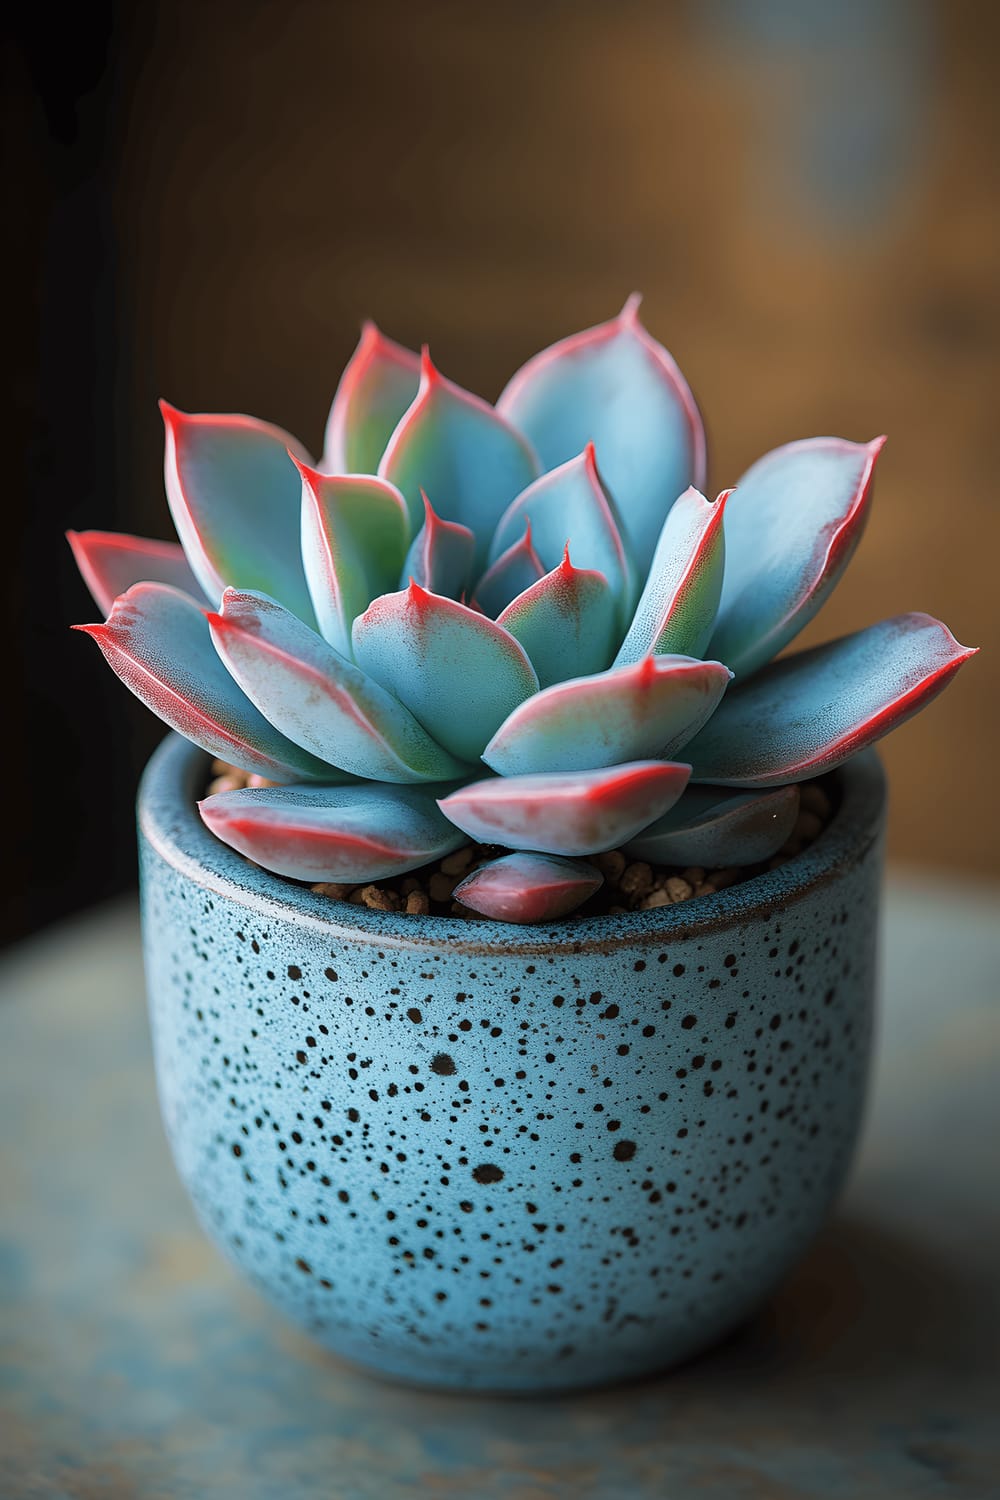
679 889
813 799
356 898
255 780
808 826
611 865
379 899
694 874
656 898
636 880
332 889
441 886
459 862
618 911
222 768
704 888
417 903
723 878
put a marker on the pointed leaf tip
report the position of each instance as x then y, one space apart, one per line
793 523
616 386
378 384
810 711
568 813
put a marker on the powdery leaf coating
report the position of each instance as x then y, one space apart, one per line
355 531
716 828
457 672
456 447
566 622
378 384
615 386
440 556
320 699
234 495
641 712
525 887
366 831
110 563
567 812
157 641
792 525
808 712
572 505
677 608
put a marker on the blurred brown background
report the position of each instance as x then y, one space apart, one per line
208 199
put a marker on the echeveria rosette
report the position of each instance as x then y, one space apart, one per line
523 624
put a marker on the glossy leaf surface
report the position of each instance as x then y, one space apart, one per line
349 834
320 699
641 712
378 384
459 673
568 812
110 563
808 712
792 525
615 386
527 887
566 622
456 448
355 531
678 605
157 640
235 496
713 828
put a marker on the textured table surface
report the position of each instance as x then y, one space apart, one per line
135 1365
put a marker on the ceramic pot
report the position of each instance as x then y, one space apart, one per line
495 1157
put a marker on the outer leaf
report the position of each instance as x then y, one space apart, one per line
456 447
110 563
457 671
514 571
792 525
440 556
715 828
346 834
810 711
235 496
678 605
377 386
571 504
566 622
319 699
354 534
638 712
568 812
616 386
157 641
526 887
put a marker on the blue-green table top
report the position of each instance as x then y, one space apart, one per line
134 1365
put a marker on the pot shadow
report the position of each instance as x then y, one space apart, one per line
866 1333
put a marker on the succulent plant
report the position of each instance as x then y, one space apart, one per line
520 624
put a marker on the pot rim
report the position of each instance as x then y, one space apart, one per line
169 822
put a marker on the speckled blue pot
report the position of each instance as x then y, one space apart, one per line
510 1158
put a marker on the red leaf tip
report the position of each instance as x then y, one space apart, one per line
428 370
629 315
